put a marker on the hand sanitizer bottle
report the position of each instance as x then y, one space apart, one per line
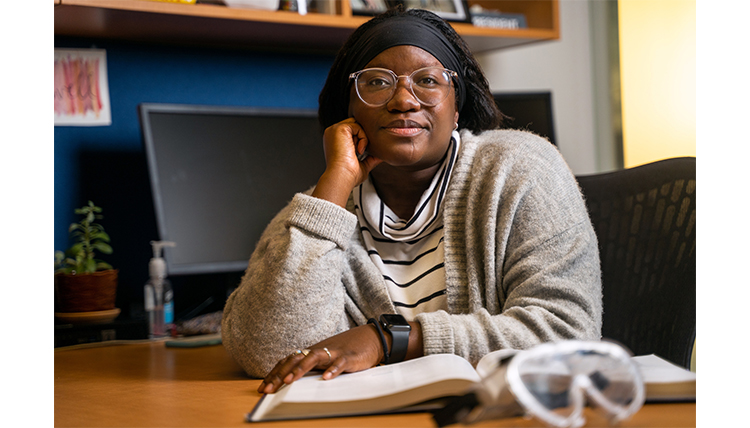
158 294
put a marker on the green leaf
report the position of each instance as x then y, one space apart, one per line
77 252
90 266
103 247
66 269
101 235
59 260
103 266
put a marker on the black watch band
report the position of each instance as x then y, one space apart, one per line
399 329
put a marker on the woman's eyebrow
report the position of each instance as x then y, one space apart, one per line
434 63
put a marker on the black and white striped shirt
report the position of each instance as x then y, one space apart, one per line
410 254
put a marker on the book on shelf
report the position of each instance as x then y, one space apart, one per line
424 384
326 7
302 7
253 4
481 17
510 21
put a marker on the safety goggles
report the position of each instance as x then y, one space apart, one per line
553 382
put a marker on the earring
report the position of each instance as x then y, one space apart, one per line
455 127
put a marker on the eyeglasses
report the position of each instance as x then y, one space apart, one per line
429 85
553 382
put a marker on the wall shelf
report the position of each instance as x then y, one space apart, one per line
218 25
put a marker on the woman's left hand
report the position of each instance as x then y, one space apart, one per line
353 350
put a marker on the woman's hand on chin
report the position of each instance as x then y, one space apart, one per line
351 351
343 142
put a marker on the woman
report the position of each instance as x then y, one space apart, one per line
460 237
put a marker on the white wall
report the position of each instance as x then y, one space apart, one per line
563 67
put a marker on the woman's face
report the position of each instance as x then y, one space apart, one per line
404 133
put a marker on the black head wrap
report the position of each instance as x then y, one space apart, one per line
405 30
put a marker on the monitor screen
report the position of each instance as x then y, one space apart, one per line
219 175
530 111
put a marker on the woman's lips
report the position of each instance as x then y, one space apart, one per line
405 132
404 127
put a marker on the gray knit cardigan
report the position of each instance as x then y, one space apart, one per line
521 264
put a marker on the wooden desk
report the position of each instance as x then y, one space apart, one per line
150 385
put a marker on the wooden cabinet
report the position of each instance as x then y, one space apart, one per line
218 25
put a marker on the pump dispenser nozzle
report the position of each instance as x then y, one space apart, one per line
158 245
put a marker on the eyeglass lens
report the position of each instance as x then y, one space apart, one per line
430 86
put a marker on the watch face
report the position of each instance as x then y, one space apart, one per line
395 322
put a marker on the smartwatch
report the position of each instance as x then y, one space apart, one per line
399 329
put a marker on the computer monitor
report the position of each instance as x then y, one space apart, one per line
530 111
219 174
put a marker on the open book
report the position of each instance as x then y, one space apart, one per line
665 381
407 385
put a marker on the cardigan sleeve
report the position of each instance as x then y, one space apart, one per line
530 272
291 295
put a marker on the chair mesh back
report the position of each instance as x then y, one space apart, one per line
645 218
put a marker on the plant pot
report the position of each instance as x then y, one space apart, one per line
86 292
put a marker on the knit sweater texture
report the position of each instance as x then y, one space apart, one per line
521 264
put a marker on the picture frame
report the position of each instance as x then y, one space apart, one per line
450 10
81 88
369 7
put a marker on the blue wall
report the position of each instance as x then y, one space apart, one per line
108 162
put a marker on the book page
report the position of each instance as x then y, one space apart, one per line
491 361
665 381
657 370
381 380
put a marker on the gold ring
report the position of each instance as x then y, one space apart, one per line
305 351
330 359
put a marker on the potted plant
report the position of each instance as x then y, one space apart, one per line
83 283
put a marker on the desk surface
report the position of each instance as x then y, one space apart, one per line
150 385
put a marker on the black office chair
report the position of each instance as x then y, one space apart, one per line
645 219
